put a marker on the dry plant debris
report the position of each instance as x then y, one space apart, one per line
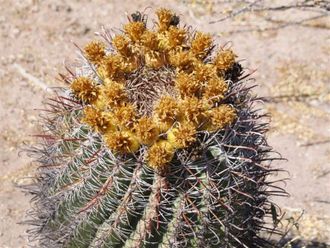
299 99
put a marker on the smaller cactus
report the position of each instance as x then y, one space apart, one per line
155 143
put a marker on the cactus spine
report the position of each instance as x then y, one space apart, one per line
155 143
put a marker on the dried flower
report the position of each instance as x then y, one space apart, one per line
135 30
176 37
159 155
182 136
122 142
173 38
154 59
192 110
113 94
180 59
187 85
215 89
220 117
111 66
122 45
84 89
204 72
201 44
125 116
95 52
146 130
149 40
166 110
225 60
130 64
164 16
98 120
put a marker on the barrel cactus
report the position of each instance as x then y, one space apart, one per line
156 142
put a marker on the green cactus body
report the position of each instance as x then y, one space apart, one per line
156 143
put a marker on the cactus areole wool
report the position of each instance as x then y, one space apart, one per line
155 142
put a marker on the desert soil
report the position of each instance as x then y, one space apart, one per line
292 63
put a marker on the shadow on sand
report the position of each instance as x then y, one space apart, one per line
305 244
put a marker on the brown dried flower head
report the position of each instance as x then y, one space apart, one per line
164 17
84 89
125 116
160 154
135 30
225 60
166 110
215 89
95 52
146 130
220 117
122 142
187 85
98 120
122 45
192 110
182 136
201 44
113 94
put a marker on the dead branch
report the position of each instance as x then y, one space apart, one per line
260 6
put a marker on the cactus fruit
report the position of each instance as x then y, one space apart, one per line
156 142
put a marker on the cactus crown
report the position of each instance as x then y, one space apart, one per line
157 87
156 143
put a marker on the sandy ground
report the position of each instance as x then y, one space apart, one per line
36 40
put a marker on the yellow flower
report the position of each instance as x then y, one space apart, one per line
95 52
163 126
192 110
201 44
112 66
98 120
176 37
180 59
215 89
146 130
166 109
164 17
122 142
225 60
220 117
159 155
154 59
204 72
130 64
113 94
172 38
125 116
187 85
84 89
135 30
122 45
182 136
150 40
